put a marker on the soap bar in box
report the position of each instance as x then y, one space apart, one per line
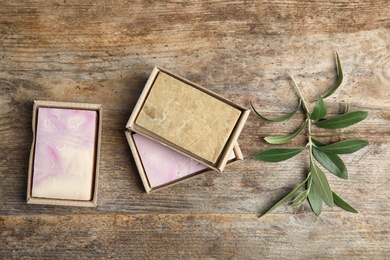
160 166
65 154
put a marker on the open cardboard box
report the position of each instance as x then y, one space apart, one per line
148 172
187 118
66 140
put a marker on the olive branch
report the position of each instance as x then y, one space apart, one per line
317 189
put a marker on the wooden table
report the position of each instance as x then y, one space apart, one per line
103 52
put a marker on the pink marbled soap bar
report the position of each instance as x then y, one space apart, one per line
64 153
163 165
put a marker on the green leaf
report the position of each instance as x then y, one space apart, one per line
321 184
339 78
319 110
315 200
344 147
282 139
332 162
285 198
343 120
318 143
342 204
299 199
280 118
277 154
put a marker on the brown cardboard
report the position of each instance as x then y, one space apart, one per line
228 147
50 201
144 178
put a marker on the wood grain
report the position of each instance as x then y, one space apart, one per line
196 236
103 52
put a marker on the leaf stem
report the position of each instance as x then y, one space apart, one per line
309 133
300 94
305 107
331 135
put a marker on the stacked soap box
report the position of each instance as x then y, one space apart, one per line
179 129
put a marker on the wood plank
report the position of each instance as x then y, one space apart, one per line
196 236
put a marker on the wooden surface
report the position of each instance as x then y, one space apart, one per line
103 51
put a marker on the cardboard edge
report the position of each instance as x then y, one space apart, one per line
142 97
55 202
97 156
32 150
144 178
71 105
137 161
222 160
238 153
233 139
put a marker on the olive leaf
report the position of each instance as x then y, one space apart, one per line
282 139
339 78
319 110
285 198
344 147
315 200
343 120
277 154
299 199
332 162
280 118
317 143
321 183
342 204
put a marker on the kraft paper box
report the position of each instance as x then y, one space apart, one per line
65 154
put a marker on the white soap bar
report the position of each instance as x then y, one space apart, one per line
163 165
64 154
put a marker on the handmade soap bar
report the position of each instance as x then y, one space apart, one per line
163 165
188 117
64 153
